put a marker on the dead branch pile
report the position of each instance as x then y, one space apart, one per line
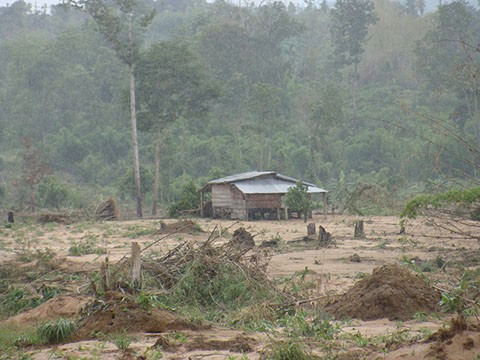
60 218
107 210
169 269
243 238
181 226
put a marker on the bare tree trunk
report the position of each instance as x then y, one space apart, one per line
136 162
355 80
160 141
156 182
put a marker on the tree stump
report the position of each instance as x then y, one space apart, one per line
105 276
358 231
10 217
324 237
136 263
311 230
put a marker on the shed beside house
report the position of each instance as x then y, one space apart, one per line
240 196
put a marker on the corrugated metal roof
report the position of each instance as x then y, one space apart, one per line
240 177
271 186
262 182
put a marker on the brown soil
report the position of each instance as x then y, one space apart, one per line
67 306
118 314
235 342
331 272
390 292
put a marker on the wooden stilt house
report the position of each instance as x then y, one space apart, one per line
244 196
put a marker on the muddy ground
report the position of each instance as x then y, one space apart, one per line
422 249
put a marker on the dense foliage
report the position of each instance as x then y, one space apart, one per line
257 87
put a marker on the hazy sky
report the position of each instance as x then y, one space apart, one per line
40 3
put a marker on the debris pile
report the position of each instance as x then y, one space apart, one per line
390 292
60 218
107 210
169 269
182 226
243 238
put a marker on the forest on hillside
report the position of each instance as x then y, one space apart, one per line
374 100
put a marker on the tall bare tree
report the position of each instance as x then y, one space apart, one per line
123 23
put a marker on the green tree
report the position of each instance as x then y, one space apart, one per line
324 114
122 23
53 192
447 56
298 199
349 30
34 169
171 84
267 112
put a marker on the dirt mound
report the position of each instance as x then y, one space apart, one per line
61 306
182 226
390 292
119 313
464 345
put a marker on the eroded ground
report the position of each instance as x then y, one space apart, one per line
433 251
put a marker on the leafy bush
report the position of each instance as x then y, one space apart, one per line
189 199
127 182
56 331
420 202
53 193
298 199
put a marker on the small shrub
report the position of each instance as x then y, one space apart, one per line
292 349
146 301
122 341
153 354
56 331
189 199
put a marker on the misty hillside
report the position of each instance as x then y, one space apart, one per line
375 101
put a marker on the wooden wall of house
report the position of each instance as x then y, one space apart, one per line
228 201
264 201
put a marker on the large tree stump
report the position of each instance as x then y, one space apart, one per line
311 230
136 263
358 231
324 237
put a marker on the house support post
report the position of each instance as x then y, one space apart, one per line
324 195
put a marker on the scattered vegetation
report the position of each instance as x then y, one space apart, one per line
56 331
122 341
87 245
292 349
